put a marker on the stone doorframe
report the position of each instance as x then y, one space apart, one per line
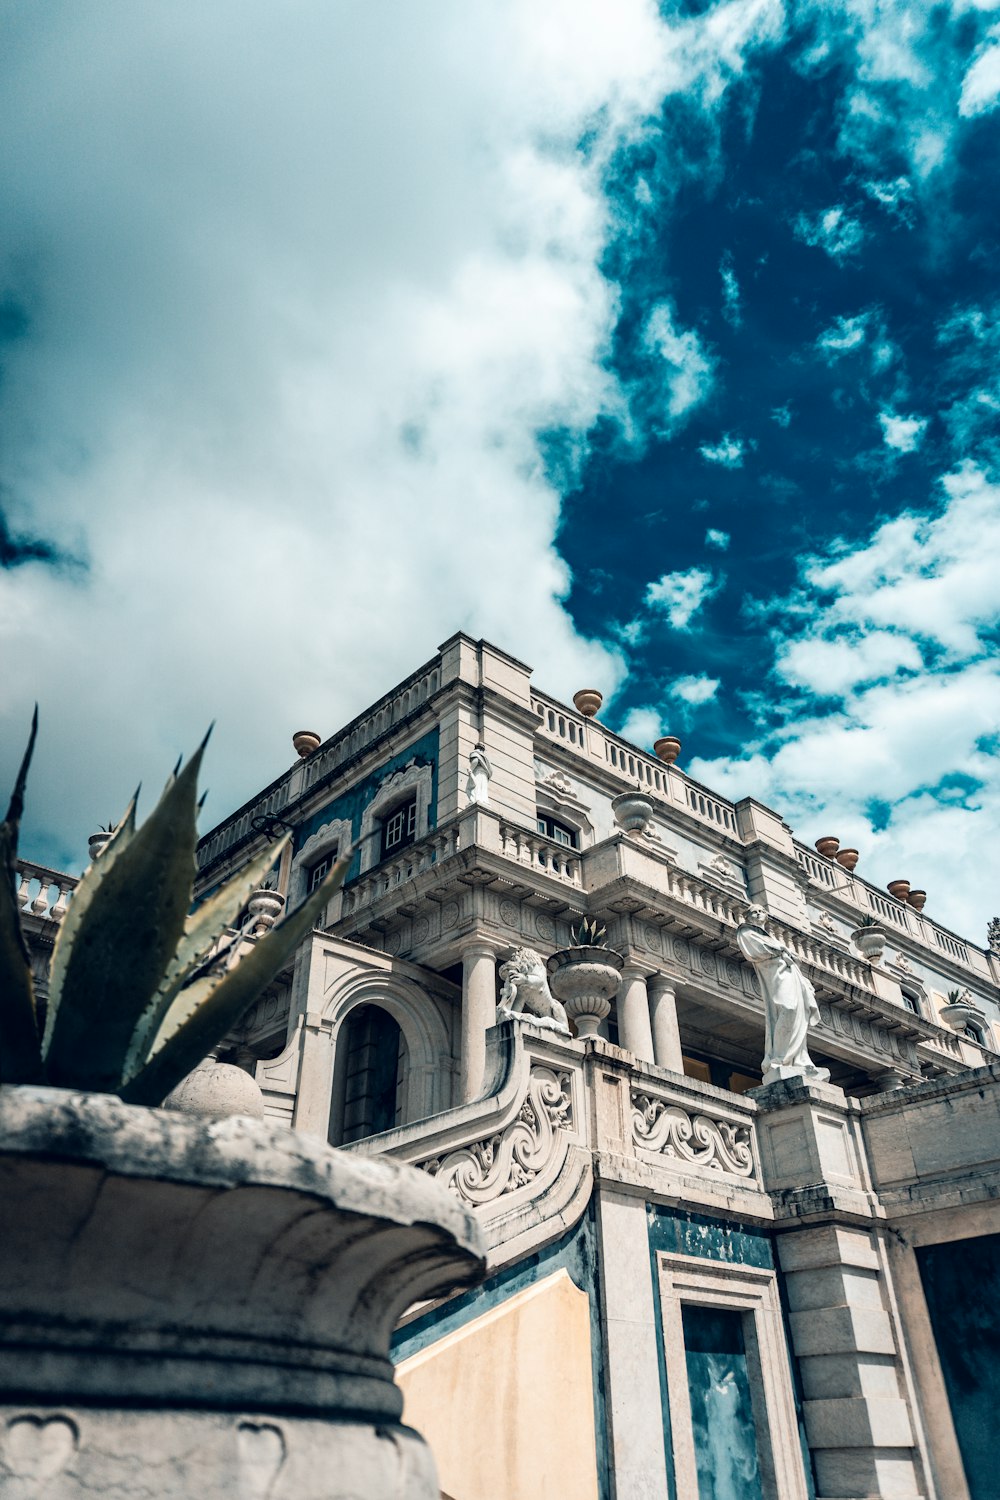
753 1293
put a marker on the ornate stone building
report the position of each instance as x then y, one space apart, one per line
699 1286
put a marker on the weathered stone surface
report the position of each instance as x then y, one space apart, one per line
230 1280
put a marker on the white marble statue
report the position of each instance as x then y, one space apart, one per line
789 1002
526 992
477 783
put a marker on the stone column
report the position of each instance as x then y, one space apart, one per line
666 1036
479 1013
634 1032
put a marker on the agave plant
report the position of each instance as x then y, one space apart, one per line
139 988
587 934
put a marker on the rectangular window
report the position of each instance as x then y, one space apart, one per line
400 827
319 871
561 832
722 1418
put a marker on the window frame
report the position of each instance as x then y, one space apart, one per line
543 817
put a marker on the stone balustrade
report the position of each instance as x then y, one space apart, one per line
897 916
544 854
43 893
391 874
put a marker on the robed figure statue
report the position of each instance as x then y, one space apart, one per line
789 1002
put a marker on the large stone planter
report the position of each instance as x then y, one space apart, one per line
585 980
191 1309
870 942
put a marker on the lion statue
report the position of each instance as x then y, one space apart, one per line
526 992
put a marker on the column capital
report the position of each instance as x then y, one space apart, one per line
480 947
660 983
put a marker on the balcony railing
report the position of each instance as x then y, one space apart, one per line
590 738
42 892
896 915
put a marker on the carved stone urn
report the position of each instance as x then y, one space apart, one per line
899 889
828 847
632 811
585 980
588 701
667 748
870 942
848 858
96 843
193 1309
265 907
959 1013
305 742
917 899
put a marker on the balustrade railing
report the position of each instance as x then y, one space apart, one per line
388 876
885 908
542 853
354 738
42 892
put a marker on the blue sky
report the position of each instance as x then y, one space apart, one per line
659 345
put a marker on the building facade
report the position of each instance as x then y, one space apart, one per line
698 1286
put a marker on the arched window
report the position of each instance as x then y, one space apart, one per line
374 1061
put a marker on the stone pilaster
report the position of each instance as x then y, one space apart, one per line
632 1372
858 1402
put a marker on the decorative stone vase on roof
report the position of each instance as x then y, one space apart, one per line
633 811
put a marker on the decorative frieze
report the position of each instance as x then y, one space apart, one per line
513 1157
719 1145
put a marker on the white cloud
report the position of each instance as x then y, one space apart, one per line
642 727
716 538
782 415
695 690
981 84
303 306
888 647
688 370
680 595
844 335
728 452
833 230
902 433
731 308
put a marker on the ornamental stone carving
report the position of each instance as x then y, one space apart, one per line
526 994
719 1145
789 1002
518 1154
477 783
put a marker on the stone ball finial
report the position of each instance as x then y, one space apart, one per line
215 1091
305 742
588 701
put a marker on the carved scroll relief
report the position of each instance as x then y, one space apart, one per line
516 1155
719 1145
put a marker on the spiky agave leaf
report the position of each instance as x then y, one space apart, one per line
79 905
212 1005
125 940
20 1054
201 930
